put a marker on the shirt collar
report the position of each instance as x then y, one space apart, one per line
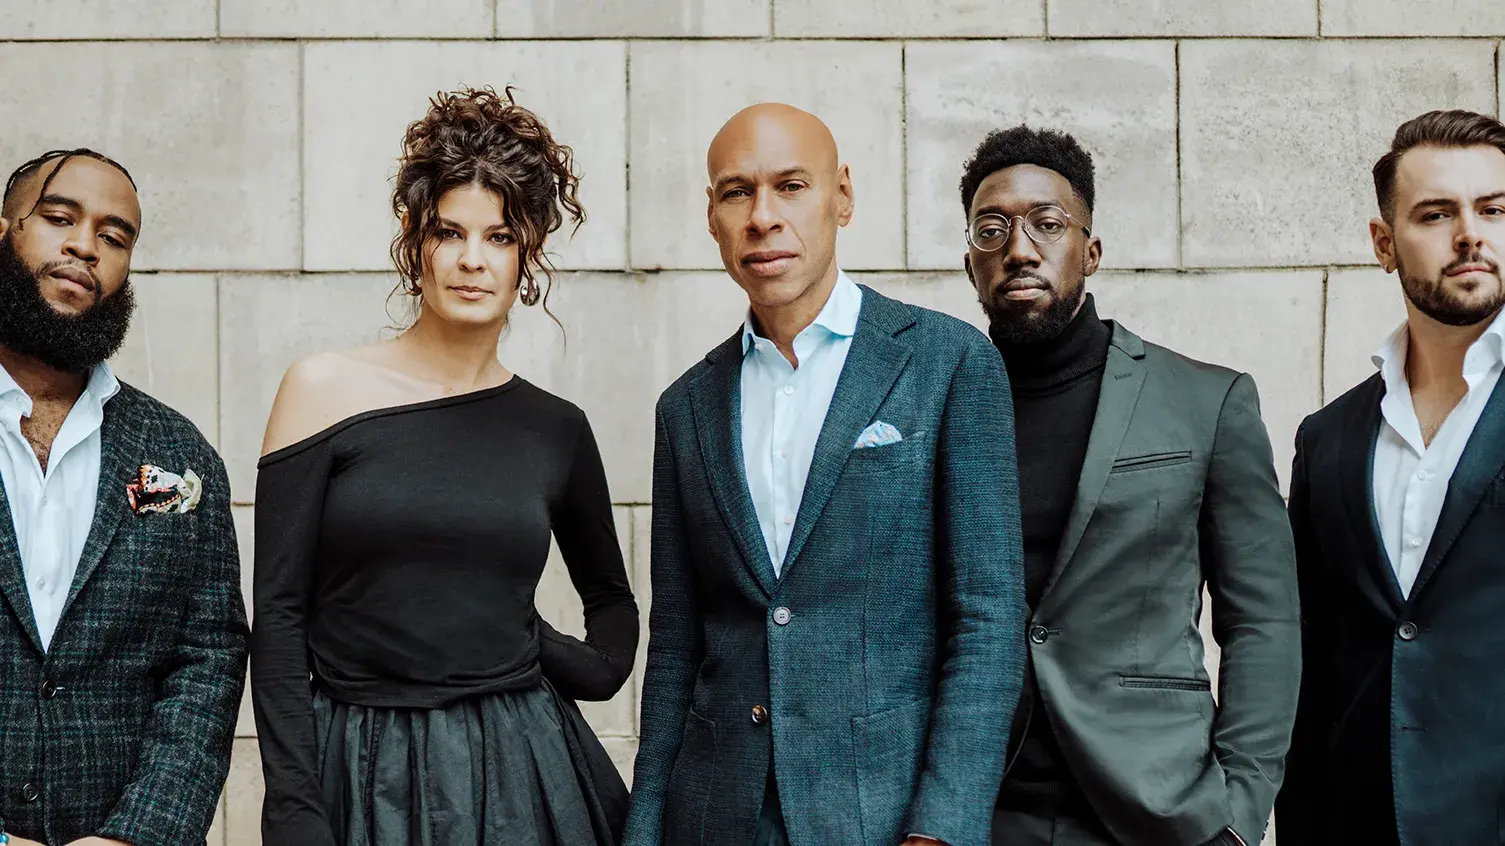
838 316
101 387
1483 354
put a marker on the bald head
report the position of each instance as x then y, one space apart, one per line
800 136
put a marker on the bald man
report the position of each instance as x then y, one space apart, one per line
122 629
836 637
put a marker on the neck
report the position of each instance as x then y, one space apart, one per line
1435 351
462 358
781 323
41 382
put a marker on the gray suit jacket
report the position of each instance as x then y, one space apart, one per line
1178 489
884 665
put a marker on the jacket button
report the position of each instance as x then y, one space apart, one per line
49 689
781 616
29 793
1038 634
1407 631
759 715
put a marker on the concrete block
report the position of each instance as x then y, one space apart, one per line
217 827
901 19
1118 99
628 337
559 604
355 19
623 750
949 293
1363 307
245 539
1267 324
169 352
267 323
1278 139
1412 18
682 92
1172 18
642 586
100 20
244 791
209 131
632 19
359 98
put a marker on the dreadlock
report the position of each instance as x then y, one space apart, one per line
35 164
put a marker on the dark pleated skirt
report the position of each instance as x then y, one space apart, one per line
518 768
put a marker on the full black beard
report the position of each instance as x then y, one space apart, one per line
1432 298
1010 325
70 343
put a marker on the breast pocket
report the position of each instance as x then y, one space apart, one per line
914 449
1151 461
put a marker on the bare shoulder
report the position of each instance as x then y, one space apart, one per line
316 393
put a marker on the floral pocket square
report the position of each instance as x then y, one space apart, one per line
156 491
877 435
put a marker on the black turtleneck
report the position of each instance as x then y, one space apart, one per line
1055 385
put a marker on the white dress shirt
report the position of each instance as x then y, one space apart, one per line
52 511
1411 478
783 409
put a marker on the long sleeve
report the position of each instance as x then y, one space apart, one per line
980 572
1295 808
186 752
1250 565
289 505
586 533
676 646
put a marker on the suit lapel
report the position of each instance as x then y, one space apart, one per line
1123 378
717 396
1356 479
1481 463
120 457
873 364
13 578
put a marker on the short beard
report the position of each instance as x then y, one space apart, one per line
69 343
1016 325
1434 300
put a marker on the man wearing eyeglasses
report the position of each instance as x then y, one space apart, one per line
1143 476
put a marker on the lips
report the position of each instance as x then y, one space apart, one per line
769 262
470 292
81 278
1471 268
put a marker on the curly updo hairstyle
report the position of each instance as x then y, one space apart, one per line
478 137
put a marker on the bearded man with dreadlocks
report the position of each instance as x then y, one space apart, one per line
122 628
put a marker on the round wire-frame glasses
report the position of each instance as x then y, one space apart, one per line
1043 225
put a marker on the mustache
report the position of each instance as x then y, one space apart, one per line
1472 258
1013 280
48 267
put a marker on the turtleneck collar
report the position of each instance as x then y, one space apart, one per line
1080 348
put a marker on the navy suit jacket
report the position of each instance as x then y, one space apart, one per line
878 676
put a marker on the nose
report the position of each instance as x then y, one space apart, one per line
764 216
1018 249
473 256
80 244
1469 238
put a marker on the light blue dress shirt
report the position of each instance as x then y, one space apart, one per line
783 409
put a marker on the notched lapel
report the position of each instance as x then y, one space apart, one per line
1123 379
716 397
13 578
1356 479
121 445
1480 465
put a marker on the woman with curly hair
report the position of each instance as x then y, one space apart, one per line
406 691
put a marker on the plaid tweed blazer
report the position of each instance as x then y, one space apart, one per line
878 676
122 729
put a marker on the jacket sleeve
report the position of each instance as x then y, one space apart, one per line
1249 562
290 490
676 645
1295 808
980 598
596 668
185 755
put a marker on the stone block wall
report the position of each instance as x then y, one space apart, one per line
1233 141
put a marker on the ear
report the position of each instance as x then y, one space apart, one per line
4 226
1384 243
967 263
710 215
845 201
1093 256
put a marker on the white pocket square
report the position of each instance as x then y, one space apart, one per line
876 435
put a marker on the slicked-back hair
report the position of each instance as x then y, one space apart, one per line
1453 128
1018 145
36 164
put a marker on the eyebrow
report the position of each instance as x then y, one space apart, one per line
73 205
786 173
444 221
999 211
1448 203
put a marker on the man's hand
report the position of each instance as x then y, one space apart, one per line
922 841
21 841
92 841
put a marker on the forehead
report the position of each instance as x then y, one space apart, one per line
764 147
100 188
472 203
1454 173
1024 186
